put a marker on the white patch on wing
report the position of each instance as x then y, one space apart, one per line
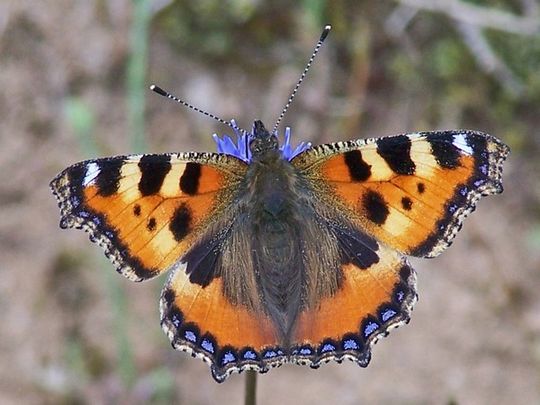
460 142
92 171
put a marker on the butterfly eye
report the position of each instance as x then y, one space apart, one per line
255 146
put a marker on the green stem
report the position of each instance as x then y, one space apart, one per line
117 295
136 74
135 83
83 123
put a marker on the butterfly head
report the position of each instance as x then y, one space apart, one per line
262 142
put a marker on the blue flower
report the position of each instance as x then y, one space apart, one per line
240 149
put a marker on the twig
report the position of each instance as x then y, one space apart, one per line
396 25
488 59
530 8
483 17
400 18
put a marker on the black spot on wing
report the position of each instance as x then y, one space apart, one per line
108 178
189 182
151 224
137 210
421 187
396 151
478 144
153 168
406 203
359 170
375 206
446 154
180 224
76 175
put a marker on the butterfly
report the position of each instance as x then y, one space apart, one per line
279 254
282 256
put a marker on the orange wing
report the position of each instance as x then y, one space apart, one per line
201 321
372 301
369 304
413 191
146 210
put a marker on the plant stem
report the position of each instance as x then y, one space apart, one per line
82 120
120 307
250 397
136 73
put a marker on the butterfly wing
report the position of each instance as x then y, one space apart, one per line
202 321
370 302
146 210
155 212
411 191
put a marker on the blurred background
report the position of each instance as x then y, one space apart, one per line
74 77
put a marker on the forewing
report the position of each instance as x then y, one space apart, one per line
146 210
410 191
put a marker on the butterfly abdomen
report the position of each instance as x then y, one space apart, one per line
280 271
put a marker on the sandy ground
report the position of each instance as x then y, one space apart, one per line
474 335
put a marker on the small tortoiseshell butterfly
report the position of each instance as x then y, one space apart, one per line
279 254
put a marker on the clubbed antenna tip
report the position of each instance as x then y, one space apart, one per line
158 90
325 32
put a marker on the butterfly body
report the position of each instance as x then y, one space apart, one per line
276 215
280 256
275 242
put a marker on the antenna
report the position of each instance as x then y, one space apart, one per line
324 34
164 93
